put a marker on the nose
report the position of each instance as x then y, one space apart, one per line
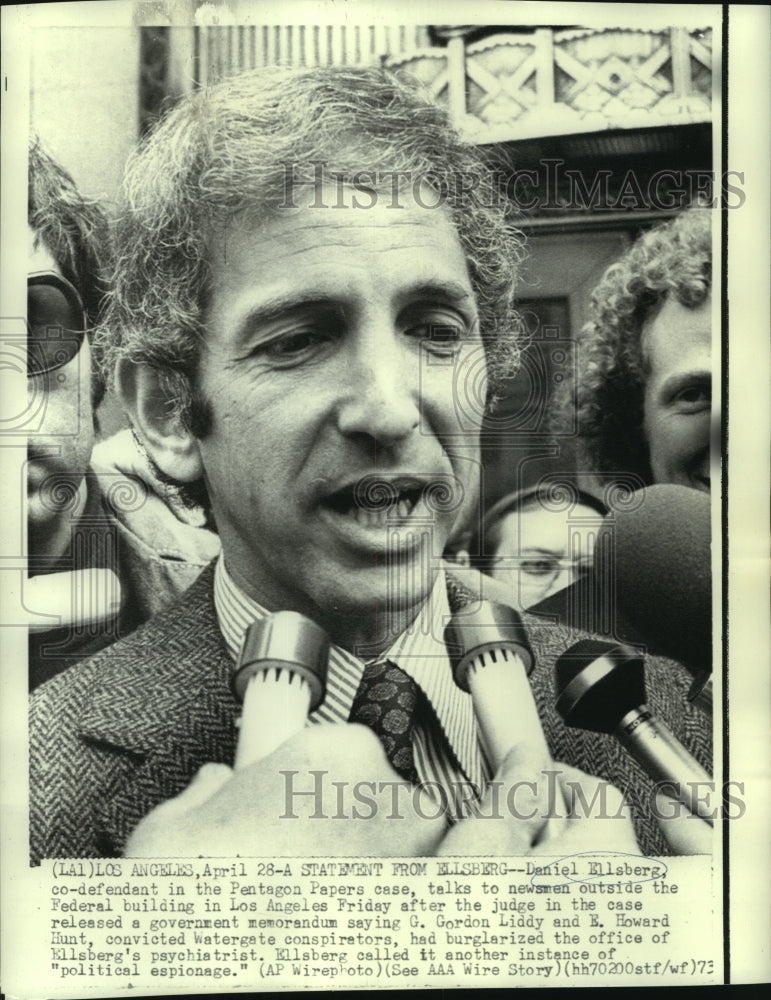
380 398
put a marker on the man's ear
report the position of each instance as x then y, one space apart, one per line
168 442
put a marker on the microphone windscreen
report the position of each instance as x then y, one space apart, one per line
570 664
663 571
597 683
589 604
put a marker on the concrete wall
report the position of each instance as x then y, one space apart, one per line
84 101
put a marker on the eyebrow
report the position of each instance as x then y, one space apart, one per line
438 289
680 380
281 306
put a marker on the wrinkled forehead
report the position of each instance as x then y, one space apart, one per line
677 337
322 186
534 525
336 205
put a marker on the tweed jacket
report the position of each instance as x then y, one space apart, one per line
115 735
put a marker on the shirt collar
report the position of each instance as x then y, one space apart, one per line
419 651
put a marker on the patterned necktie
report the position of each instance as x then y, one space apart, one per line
391 704
387 701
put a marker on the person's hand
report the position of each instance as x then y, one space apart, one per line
684 832
538 808
330 791
327 791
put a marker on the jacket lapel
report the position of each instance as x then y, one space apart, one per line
162 708
205 734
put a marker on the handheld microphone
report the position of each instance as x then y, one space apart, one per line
663 577
601 687
492 661
280 678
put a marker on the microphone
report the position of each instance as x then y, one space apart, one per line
280 677
492 661
664 580
601 687
651 583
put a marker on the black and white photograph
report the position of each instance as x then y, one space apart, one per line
385 481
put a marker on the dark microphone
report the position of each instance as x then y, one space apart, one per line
651 584
280 677
601 687
663 577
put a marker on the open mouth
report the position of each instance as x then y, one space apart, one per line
374 502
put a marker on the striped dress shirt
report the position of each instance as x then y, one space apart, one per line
450 762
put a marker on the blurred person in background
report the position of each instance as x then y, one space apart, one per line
536 548
641 403
108 543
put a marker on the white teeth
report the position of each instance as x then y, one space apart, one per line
370 518
380 518
390 514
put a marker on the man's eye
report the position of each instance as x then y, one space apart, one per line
539 567
297 344
694 397
441 335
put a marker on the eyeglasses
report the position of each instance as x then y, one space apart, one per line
56 322
541 565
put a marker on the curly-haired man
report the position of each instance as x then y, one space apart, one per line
642 393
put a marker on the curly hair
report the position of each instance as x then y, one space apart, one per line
605 401
226 152
76 233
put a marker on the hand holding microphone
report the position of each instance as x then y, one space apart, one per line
601 687
287 776
492 660
281 676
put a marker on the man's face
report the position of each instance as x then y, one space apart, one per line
541 551
678 394
334 338
60 450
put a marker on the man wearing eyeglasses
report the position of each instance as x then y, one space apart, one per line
534 547
67 256
84 515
